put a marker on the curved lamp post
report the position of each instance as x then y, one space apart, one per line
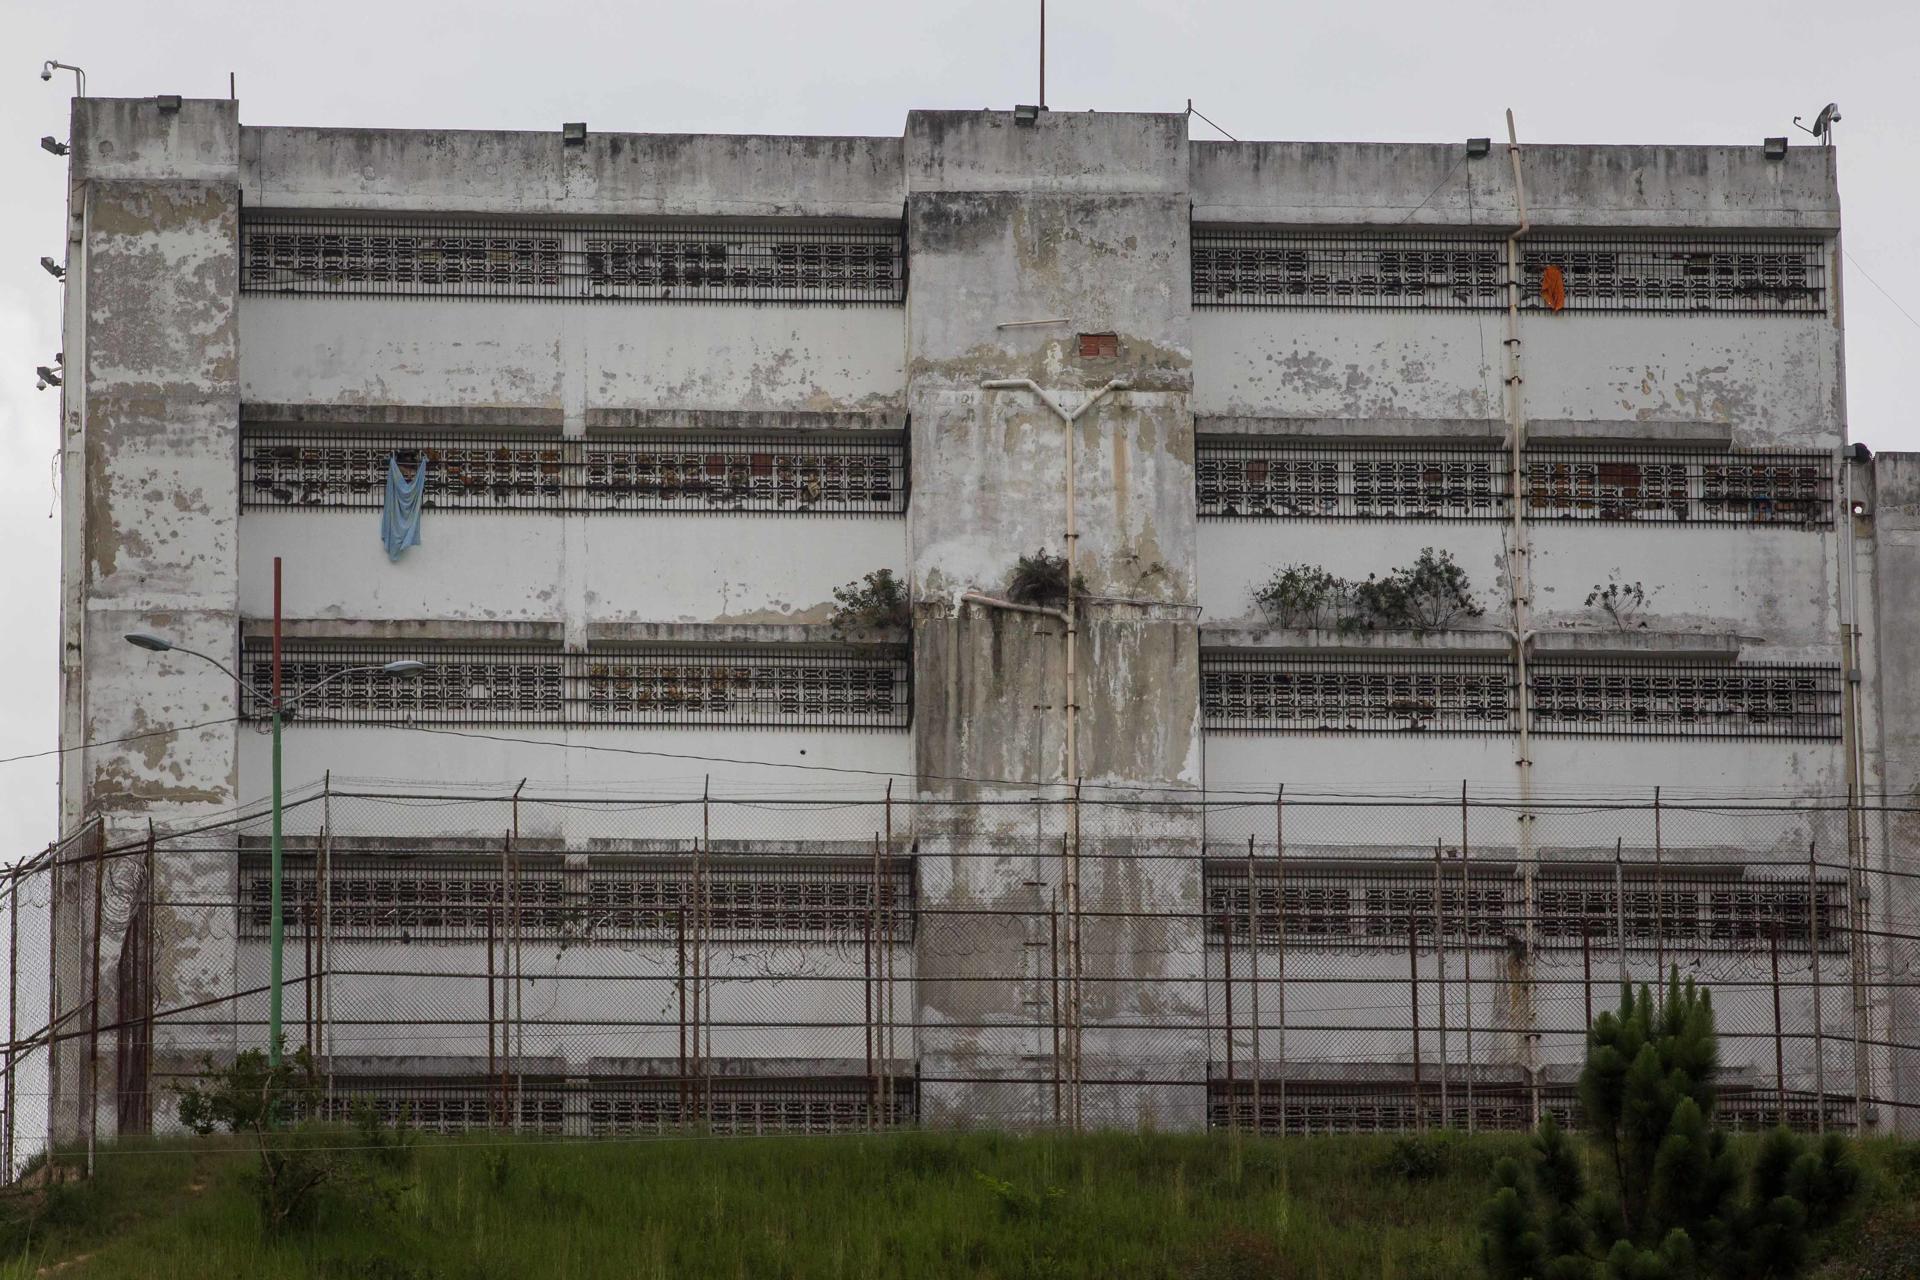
278 703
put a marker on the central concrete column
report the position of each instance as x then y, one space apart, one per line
1055 251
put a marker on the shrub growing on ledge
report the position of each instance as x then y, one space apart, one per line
878 600
1430 594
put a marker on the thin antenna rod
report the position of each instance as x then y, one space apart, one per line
1043 54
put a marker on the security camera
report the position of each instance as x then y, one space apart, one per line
46 73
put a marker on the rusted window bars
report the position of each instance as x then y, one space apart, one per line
1249 478
789 261
750 686
1247 268
1247 692
346 470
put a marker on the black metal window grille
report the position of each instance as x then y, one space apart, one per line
448 1106
1747 277
1390 270
754 901
340 471
746 687
1735 488
745 1106
619 899
1362 908
1756 700
1287 693
1268 480
1252 692
1394 1106
795 262
1251 478
1271 268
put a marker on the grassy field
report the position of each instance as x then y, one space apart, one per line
906 1205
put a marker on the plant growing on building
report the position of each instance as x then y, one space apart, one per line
1622 602
1041 580
1673 1201
878 600
1432 593
1305 595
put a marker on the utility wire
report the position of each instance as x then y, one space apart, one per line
1883 293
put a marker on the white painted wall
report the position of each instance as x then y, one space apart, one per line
493 353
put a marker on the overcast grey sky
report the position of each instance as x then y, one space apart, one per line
1678 71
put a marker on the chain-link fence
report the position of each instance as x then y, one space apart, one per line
589 964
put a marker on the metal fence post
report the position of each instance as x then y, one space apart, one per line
1620 909
1466 945
1413 1000
1226 972
11 1119
1280 948
1440 974
1779 1045
1253 976
92 1091
1819 1018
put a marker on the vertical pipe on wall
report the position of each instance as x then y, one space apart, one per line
1620 908
1519 578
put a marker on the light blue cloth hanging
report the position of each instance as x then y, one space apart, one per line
400 517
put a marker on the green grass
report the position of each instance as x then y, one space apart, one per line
905 1205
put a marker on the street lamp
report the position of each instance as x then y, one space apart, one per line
279 704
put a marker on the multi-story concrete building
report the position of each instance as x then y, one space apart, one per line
671 392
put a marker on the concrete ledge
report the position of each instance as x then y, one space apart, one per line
1470 431
1704 646
422 630
402 415
428 1066
742 421
741 633
1682 434
1569 644
1355 430
1359 643
750 1068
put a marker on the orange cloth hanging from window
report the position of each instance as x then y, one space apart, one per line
1553 288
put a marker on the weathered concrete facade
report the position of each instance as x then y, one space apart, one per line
1053 310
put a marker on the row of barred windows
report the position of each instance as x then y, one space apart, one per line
800 262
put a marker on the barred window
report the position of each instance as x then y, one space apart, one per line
1279 693
447 1105
1255 692
1239 477
826 686
347 471
738 1105
1256 478
1467 271
1661 274
1374 907
1747 701
1285 269
661 261
617 899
